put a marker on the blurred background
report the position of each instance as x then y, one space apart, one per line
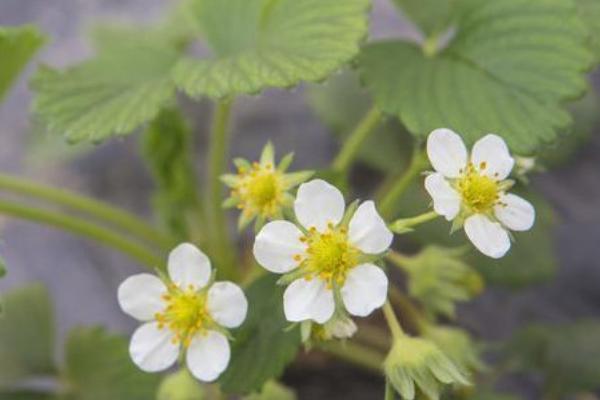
82 277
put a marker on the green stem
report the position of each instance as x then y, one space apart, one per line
411 315
404 225
387 206
352 144
221 247
81 227
356 354
392 321
99 210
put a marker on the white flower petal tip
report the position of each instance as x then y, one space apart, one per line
447 152
140 296
277 246
152 349
227 304
446 200
208 356
319 204
308 300
516 213
492 151
365 290
188 265
489 237
368 231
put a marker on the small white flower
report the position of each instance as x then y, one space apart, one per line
327 259
473 190
189 313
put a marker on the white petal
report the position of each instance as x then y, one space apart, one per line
276 245
318 203
304 300
446 200
515 213
368 231
189 266
493 151
152 349
365 289
447 152
227 304
488 236
140 296
208 356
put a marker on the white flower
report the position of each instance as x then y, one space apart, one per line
189 313
473 190
328 259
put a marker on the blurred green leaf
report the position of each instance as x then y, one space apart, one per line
181 386
585 119
589 11
26 335
568 356
264 345
98 367
431 16
17 46
2 267
26 395
273 390
125 86
508 69
531 259
341 103
167 149
270 43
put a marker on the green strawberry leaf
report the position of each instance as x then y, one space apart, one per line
26 335
431 16
125 86
264 345
258 44
567 355
589 11
98 367
507 70
17 46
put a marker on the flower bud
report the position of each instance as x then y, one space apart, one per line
439 278
416 365
181 386
457 345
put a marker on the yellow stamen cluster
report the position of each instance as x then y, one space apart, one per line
185 314
329 255
260 190
479 192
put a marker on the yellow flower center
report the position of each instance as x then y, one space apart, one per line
479 192
185 314
260 190
330 256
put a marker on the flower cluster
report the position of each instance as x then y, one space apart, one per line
330 257
472 191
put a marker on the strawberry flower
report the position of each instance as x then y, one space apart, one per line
473 191
184 313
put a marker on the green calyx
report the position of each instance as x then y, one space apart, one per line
416 365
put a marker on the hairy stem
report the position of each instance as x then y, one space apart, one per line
392 321
84 228
387 205
356 354
352 144
101 211
220 244
404 225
